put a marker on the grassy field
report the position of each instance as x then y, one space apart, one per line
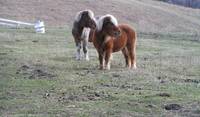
39 77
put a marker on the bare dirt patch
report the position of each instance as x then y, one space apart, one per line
192 81
85 96
164 95
3 53
172 107
88 93
34 72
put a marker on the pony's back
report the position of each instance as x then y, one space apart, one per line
128 30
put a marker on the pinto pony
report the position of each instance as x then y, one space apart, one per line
84 22
110 37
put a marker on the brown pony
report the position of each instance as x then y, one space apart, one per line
110 37
84 22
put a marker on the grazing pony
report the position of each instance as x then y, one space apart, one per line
110 37
84 22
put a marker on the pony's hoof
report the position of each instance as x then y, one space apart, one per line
78 59
107 67
101 68
87 58
134 66
128 66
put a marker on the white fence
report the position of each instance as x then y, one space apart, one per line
39 25
12 23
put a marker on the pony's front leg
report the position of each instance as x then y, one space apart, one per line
78 51
101 60
85 50
107 59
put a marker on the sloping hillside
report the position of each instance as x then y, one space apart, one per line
145 15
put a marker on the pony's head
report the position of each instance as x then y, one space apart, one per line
86 19
108 25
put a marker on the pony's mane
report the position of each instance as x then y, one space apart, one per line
79 15
100 21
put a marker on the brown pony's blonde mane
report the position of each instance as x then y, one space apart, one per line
100 21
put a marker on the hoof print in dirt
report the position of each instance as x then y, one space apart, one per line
150 106
172 107
35 41
38 73
192 81
138 88
3 53
164 95
116 75
24 67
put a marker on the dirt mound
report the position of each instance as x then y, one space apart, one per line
34 72
172 107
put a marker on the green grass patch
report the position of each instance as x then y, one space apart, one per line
40 76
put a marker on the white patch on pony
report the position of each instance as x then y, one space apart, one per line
85 37
78 54
134 66
107 39
100 21
87 57
107 67
85 34
79 15
111 57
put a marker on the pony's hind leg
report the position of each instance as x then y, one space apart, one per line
85 50
78 51
132 54
134 59
127 57
85 37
